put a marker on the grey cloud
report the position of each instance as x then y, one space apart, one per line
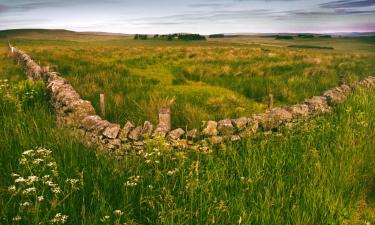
3 8
337 12
347 4
199 5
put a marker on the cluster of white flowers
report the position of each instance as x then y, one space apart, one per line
172 172
132 181
3 84
37 184
59 219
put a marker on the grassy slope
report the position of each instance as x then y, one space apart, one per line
320 173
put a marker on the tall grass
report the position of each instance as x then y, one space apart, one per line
210 80
319 173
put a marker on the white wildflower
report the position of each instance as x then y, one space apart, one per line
28 152
50 183
52 164
118 212
40 198
37 161
172 172
25 204
73 182
15 175
19 180
56 190
59 219
43 151
12 188
105 219
17 218
31 179
23 161
28 191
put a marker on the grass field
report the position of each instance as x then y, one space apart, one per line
213 79
321 172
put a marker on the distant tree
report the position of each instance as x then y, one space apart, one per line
191 37
216 36
325 36
306 36
140 36
285 37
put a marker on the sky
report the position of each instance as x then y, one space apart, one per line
193 16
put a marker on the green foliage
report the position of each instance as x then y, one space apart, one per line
30 93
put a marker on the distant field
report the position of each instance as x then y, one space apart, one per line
212 79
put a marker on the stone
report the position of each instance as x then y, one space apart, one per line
126 147
337 95
317 105
274 118
251 128
135 134
240 123
299 110
192 133
210 129
235 138
147 129
112 131
176 134
160 131
90 122
115 142
139 146
125 131
225 127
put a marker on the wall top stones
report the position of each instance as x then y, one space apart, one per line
78 114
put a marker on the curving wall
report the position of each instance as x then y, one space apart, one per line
78 114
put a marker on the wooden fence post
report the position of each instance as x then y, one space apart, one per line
270 101
102 104
165 117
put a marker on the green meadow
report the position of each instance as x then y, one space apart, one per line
214 79
321 172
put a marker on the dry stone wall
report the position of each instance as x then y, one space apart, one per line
78 114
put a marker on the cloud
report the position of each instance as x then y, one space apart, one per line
199 5
347 4
3 8
337 12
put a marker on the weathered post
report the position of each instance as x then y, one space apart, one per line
102 104
165 118
270 101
